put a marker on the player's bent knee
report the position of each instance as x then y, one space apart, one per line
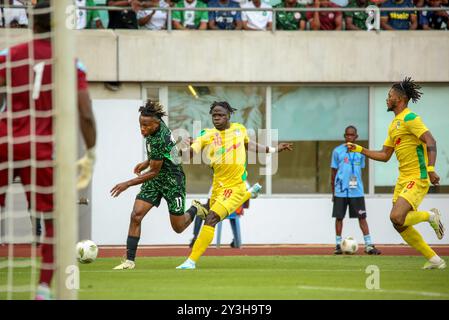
136 217
396 220
212 219
178 228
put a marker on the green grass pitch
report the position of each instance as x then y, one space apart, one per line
259 278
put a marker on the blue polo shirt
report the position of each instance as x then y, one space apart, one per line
347 164
224 19
398 20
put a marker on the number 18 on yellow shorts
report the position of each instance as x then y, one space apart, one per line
225 200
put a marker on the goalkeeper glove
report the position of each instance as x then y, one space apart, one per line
85 167
352 147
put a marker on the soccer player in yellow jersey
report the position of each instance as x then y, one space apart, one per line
226 146
416 152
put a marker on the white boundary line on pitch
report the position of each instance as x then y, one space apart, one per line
417 293
283 269
262 246
230 269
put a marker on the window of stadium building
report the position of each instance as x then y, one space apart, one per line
314 120
189 107
432 108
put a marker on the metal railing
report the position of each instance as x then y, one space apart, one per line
371 10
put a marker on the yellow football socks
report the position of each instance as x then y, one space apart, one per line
415 240
415 217
202 242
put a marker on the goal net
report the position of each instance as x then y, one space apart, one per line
38 148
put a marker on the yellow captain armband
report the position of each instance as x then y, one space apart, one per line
430 169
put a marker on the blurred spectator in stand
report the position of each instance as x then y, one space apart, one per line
288 20
13 17
124 19
325 20
398 20
257 20
434 20
190 19
153 19
87 19
340 3
224 20
356 20
419 3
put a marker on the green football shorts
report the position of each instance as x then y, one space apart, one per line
170 187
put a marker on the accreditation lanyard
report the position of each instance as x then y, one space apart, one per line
353 178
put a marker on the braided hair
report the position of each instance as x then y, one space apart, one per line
152 109
409 89
223 104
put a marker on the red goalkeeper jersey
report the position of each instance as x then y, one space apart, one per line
31 83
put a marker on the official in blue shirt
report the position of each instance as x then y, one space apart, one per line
347 190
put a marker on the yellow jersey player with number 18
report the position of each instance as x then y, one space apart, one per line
225 146
416 151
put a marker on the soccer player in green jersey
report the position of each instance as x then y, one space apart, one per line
161 176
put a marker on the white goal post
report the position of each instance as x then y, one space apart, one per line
66 146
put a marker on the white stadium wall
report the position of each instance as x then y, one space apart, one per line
223 56
238 56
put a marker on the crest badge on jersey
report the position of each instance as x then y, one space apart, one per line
398 124
237 132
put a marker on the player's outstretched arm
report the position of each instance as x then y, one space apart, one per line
155 167
254 146
88 130
431 144
87 119
383 155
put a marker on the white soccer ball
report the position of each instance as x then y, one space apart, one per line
349 245
86 251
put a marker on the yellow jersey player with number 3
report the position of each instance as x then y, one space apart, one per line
416 151
225 148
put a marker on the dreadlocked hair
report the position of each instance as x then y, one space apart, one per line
152 109
223 104
409 89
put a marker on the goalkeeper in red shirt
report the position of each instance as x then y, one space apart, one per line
26 133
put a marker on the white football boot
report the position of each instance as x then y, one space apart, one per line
435 222
127 264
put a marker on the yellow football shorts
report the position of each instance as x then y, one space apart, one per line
225 200
413 191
